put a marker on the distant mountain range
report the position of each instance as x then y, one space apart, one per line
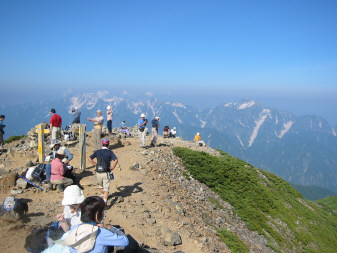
300 149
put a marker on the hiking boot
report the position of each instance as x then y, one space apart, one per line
60 187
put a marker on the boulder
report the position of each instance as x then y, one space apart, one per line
21 183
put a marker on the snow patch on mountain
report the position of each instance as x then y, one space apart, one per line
229 104
334 132
135 107
238 136
287 126
115 100
263 115
176 115
210 111
246 105
176 104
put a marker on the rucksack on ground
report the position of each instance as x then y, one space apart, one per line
13 209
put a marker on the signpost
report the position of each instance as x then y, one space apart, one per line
82 139
40 132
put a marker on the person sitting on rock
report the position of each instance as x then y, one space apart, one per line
72 198
124 129
90 236
197 139
59 171
166 132
55 146
173 132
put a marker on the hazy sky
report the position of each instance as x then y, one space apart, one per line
273 50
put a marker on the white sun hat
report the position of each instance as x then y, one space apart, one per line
72 195
142 115
108 107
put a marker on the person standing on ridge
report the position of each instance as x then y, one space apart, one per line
55 125
77 115
104 167
109 119
155 125
142 122
2 132
98 121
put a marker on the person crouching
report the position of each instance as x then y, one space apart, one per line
58 171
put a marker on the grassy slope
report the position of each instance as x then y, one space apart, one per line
267 203
330 203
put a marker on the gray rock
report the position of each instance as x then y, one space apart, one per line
21 183
29 163
171 238
136 166
15 192
88 181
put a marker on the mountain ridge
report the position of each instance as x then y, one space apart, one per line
263 136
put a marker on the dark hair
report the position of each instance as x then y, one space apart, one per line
2 116
105 145
90 206
36 241
53 110
59 156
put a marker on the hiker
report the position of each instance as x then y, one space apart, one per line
72 198
104 167
59 171
91 236
109 119
55 146
197 139
142 122
98 121
55 125
77 115
173 132
2 132
166 132
123 128
155 125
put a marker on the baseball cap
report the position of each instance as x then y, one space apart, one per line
105 141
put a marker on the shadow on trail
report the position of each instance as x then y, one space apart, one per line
119 144
125 191
84 174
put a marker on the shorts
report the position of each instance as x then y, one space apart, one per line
103 180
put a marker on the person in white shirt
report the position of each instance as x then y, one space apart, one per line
72 198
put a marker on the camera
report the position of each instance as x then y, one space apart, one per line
73 110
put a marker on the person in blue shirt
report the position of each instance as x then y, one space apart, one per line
155 126
142 122
77 116
55 146
90 236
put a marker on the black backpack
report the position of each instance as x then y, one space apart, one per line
13 209
102 165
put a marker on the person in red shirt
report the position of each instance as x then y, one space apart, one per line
55 125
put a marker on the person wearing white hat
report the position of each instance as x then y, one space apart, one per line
109 119
77 115
155 125
98 121
71 216
197 139
142 122
55 146
173 132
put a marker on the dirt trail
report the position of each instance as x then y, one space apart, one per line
138 202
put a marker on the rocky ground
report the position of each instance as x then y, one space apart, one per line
152 198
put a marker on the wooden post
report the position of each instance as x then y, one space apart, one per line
82 138
40 138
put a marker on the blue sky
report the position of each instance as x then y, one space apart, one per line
275 51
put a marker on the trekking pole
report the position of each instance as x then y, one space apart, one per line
31 182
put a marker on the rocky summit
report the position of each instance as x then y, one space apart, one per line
152 198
